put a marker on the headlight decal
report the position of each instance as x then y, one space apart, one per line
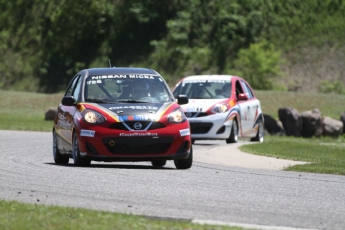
104 110
177 116
220 108
93 117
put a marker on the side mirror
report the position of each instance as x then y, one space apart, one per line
68 101
242 97
182 99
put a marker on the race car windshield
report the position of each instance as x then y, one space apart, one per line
204 89
127 88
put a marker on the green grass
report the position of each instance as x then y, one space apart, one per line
326 155
25 110
15 215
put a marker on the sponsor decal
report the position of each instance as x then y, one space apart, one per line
147 117
77 116
129 76
135 107
98 78
232 103
137 134
193 109
184 132
205 80
87 133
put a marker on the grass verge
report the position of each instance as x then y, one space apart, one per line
15 215
326 155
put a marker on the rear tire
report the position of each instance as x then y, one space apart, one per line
233 138
58 157
158 163
185 163
260 134
78 160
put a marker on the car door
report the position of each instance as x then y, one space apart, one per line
249 109
64 127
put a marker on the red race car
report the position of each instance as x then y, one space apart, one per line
121 114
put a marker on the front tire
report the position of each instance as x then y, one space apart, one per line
58 157
185 163
260 134
233 138
78 160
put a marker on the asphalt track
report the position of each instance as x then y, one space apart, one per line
206 193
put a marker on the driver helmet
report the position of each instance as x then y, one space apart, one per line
140 89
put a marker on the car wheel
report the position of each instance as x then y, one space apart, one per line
58 157
185 163
260 134
158 163
78 160
233 138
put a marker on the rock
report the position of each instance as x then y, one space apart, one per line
332 127
291 120
342 118
273 126
311 123
50 114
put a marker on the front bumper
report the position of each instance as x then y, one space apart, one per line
215 126
120 145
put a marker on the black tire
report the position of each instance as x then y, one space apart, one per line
185 163
78 160
58 157
233 138
260 134
158 163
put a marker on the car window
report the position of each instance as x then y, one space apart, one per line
204 89
77 89
123 87
247 90
72 86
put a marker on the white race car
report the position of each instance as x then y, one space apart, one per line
221 107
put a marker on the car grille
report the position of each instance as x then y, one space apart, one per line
200 128
130 125
195 114
138 145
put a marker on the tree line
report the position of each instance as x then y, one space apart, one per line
43 43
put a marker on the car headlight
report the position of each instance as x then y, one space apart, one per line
177 116
220 108
93 117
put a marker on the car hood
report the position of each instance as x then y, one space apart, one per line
133 111
201 105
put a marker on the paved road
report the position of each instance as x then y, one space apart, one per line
205 192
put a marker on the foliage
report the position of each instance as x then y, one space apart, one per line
259 64
335 86
44 42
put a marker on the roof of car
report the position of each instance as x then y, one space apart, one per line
121 70
211 76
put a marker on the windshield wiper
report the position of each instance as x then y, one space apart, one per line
132 101
95 100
